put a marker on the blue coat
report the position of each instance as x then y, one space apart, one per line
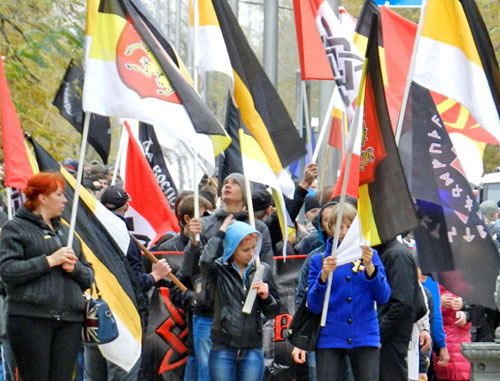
352 315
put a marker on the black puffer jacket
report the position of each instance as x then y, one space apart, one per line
231 326
33 287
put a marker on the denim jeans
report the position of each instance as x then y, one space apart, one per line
231 364
191 369
97 368
202 343
8 361
311 365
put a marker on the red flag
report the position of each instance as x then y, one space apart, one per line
17 166
398 35
352 181
149 208
313 61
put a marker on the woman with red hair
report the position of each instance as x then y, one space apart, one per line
44 281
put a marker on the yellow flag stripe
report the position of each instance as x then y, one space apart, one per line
365 212
445 21
206 15
113 293
92 7
104 43
254 122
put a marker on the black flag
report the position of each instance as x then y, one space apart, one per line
68 100
452 238
154 155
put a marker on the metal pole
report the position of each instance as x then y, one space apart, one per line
177 24
271 40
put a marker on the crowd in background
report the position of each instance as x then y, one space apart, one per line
386 320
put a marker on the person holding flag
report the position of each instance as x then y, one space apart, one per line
351 327
228 263
234 202
96 366
44 281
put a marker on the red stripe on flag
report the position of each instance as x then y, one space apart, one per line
336 135
352 181
313 61
17 166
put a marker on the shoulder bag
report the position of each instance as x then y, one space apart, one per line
99 324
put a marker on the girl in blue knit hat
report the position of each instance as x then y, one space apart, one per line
228 261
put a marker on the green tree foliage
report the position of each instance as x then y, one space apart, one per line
37 39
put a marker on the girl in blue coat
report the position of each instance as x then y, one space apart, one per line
351 327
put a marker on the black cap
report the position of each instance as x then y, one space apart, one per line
311 202
261 199
114 197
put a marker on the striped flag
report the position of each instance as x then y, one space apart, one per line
133 72
468 137
211 50
385 207
17 166
105 241
464 68
261 109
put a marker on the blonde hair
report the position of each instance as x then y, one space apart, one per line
348 214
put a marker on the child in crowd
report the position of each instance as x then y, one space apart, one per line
228 261
352 329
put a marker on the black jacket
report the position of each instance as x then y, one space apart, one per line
396 317
231 326
33 287
190 268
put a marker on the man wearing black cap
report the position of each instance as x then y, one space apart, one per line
117 200
96 367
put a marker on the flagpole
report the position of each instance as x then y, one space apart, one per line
46 116
308 121
322 133
196 188
355 124
335 243
259 269
118 158
323 170
409 78
79 176
9 203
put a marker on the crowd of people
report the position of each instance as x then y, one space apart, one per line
386 320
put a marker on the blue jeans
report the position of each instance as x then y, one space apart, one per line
97 368
202 342
191 369
8 361
311 365
231 364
